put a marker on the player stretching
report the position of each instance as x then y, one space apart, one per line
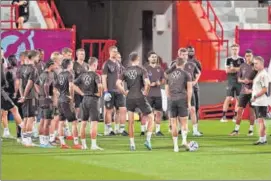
136 78
244 77
29 106
260 99
112 98
65 87
91 86
56 57
179 91
44 87
79 67
156 76
233 64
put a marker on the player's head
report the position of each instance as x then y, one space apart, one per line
191 52
12 61
113 51
249 55
2 53
183 53
50 65
118 57
57 58
66 53
152 57
67 64
134 58
93 63
41 52
22 57
235 50
258 63
180 62
33 56
80 54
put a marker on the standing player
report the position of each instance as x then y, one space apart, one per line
79 67
260 99
233 64
112 97
244 77
67 53
44 87
90 84
28 99
66 89
179 91
23 12
136 78
156 76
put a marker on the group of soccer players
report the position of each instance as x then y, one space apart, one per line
64 91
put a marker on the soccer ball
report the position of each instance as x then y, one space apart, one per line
193 146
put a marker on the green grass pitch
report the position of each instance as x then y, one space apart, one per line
219 157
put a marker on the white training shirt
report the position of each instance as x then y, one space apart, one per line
260 81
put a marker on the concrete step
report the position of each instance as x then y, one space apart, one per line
245 4
225 3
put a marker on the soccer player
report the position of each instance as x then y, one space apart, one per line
79 67
66 89
112 97
233 64
244 77
91 86
191 58
23 12
28 99
67 53
40 65
179 91
156 76
260 99
56 57
136 78
44 87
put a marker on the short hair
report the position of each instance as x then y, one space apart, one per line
23 54
49 63
66 50
112 47
54 55
183 50
180 61
33 53
66 63
190 47
249 51
133 56
259 58
12 60
92 60
235 45
151 53
40 50
80 50
27 52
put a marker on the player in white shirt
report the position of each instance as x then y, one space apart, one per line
260 99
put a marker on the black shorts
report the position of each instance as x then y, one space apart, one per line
244 99
90 108
260 111
25 16
178 108
29 108
197 98
19 106
193 100
117 101
156 103
6 101
77 100
66 111
55 111
234 89
46 113
140 103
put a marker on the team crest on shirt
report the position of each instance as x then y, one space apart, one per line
61 79
150 73
87 80
244 71
132 74
111 68
158 70
176 74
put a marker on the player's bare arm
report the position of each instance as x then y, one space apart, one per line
121 87
100 90
104 82
167 90
147 86
77 90
189 93
28 87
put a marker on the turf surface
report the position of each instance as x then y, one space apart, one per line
219 157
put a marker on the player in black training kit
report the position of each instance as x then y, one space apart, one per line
90 84
44 87
136 78
79 67
112 97
233 64
23 10
65 86
28 77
